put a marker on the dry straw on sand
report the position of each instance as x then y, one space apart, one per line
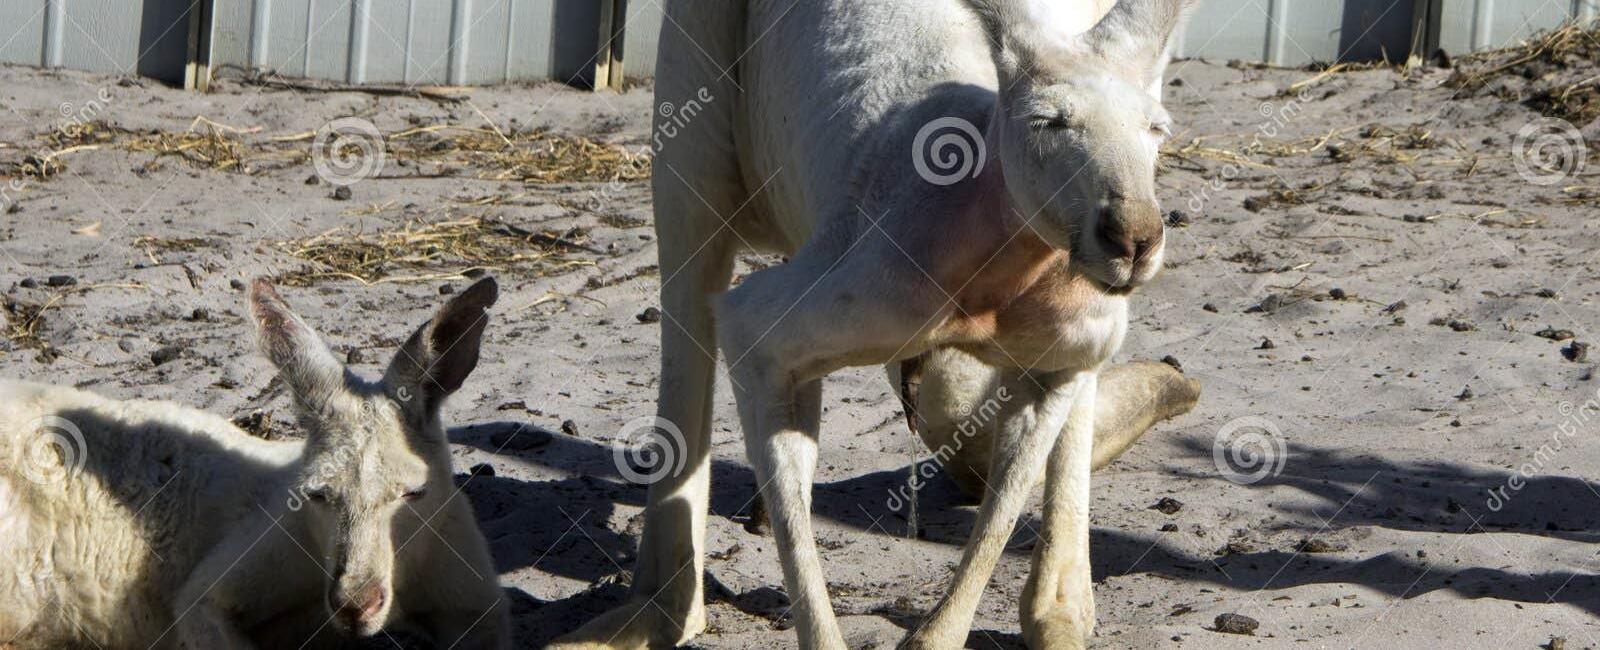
420 250
424 251
441 150
1562 67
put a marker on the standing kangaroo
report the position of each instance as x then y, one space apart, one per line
141 525
1017 243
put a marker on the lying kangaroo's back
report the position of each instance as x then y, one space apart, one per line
106 505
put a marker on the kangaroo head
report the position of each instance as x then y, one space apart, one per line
376 466
1078 132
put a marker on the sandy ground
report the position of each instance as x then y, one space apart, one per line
1394 423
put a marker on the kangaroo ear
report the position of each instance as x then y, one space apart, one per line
304 362
1138 33
1013 40
437 358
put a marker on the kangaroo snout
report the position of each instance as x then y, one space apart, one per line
1130 229
360 611
1131 232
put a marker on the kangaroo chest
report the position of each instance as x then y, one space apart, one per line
1036 314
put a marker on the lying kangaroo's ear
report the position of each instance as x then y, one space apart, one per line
1138 33
304 362
437 358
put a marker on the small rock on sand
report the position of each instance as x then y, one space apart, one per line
1576 352
1273 302
1554 334
649 315
1168 506
165 354
1236 624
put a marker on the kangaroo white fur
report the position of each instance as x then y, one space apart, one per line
807 148
143 524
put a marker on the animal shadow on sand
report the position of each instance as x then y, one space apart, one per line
576 536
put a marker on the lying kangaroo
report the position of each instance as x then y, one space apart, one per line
953 411
941 174
1132 397
141 524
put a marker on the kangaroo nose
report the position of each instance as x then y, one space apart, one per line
361 608
1125 235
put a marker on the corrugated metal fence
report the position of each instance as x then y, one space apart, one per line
460 42
454 42
148 37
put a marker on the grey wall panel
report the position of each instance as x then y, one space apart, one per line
95 35
527 32
1297 32
1469 25
25 32
326 51
280 43
1306 32
1228 29
484 45
149 37
428 41
497 41
639 42
383 38
230 31
411 41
